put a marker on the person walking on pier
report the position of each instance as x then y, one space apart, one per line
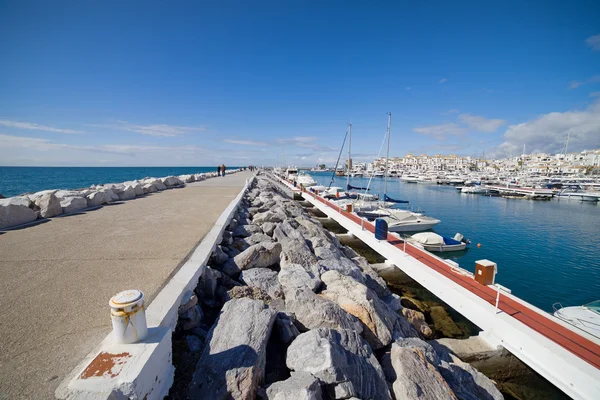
218 170
223 168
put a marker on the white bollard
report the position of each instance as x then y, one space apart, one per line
128 316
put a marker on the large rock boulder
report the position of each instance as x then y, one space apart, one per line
97 198
417 319
246 230
263 278
465 381
15 211
413 377
111 196
187 178
172 181
127 193
299 386
48 205
382 323
268 216
294 276
313 311
260 255
232 364
159 185
149 188
73 204
341 359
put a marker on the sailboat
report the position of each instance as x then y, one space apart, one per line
398 220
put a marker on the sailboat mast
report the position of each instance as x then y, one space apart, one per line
387 155
348 164
567 144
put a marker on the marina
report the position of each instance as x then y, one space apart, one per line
560 235
566 355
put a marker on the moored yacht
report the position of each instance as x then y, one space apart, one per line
305 180
585 317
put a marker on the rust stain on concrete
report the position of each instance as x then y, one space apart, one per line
105 365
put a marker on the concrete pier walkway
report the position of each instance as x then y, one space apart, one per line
56 277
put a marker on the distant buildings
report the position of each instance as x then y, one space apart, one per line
584 162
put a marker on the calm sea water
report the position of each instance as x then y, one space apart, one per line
546 251
18 180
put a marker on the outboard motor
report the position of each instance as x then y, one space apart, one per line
460 238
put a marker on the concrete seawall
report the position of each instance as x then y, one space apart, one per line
56 277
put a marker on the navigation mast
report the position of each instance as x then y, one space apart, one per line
387 155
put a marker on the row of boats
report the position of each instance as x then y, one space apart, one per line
370 207
575 192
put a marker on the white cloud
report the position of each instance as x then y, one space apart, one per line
305 142
451 111
595 94
593 42
548 132
576 84
481 124
443 80
245 142
36 127
441 131
158 130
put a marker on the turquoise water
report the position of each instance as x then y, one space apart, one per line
546 251
18 180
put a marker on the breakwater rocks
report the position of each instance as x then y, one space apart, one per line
285 311
26 208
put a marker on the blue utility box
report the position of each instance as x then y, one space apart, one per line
381 229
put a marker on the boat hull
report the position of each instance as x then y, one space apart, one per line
412 227
444 248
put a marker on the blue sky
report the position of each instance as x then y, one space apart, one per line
199 83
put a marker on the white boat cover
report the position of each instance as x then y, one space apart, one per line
428 238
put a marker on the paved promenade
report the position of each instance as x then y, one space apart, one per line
56 277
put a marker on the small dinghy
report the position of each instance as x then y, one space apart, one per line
441 244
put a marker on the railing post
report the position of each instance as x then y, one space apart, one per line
497 298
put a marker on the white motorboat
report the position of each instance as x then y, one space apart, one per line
401 220
291 173
305 180
436 243
576 192
410 178
585 317
473 190
335 192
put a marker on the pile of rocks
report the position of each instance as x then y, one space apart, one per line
27 208
297 315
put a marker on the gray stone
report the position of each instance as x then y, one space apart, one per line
372 279
466 382
246 230
48 205
299 386
73 204
159 185
218 256
15 211
268 216
268 228
286 329
260 255
97 198
191 318
194 343
382 323
172 181
343 266
258 238
127 194
417 319
264 279
149 188
413 377
294 276
341 359
313 311
232 364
